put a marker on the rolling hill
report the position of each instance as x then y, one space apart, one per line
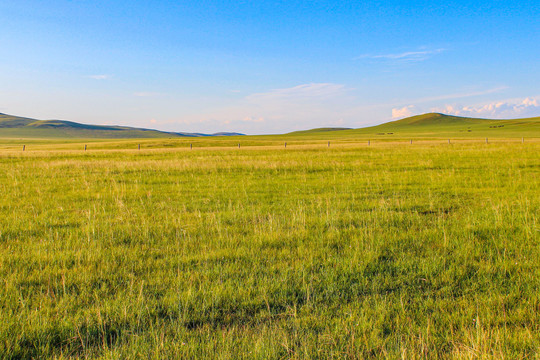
431 125
21 127
436 125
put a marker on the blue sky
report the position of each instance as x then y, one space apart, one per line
267 66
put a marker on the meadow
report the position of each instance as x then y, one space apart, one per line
393 250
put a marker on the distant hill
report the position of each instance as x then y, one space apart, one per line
225 134
431 125
15 126
436 125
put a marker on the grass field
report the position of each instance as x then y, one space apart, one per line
392 250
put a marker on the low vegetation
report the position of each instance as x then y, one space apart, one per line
390 251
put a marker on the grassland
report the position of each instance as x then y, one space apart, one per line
392 250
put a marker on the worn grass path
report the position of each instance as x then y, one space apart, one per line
387 251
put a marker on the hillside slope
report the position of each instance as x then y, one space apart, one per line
438 125
21 127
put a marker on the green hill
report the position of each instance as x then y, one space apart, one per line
437 125
21 127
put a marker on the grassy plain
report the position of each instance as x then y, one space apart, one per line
392 250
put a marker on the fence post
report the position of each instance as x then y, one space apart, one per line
522 140
368 142
139 147
191 146
487 141
448 141
23 147
84 147
239 145
329 144
411 141
285 144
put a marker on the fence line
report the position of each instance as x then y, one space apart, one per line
339 143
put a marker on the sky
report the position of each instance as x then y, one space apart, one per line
261 67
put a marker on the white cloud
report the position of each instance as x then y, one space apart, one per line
406 111
507 109
99 77
419 55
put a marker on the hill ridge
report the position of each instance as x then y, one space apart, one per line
438 124
18 126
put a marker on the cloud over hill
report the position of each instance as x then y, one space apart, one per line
527 107
506 109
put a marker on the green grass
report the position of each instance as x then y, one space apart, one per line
389 251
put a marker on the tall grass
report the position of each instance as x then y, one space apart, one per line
389 251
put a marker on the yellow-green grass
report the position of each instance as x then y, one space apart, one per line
387 251
242 143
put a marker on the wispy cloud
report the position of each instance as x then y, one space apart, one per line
410 56
300 92
99 77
